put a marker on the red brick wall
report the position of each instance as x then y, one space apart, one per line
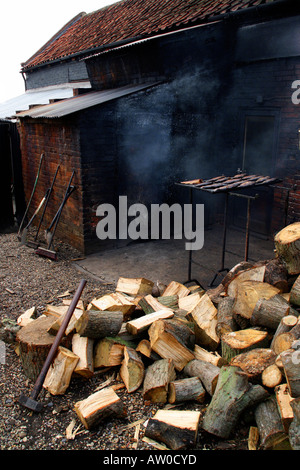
60 144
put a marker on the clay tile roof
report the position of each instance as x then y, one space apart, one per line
127 20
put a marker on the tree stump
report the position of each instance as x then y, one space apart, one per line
287 245
232 396
34 345
268 421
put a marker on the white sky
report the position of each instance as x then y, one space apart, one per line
25 26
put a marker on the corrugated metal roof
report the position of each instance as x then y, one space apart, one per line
81 102
10 107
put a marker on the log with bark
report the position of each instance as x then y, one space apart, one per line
269 424
207 372
254 362
248 293
151 304
187 389
276 274
98 324
204 315
269 312
83 347
285 325
140 324
225 319
232 396
99 406
156 382
115 302
135 286
238 342
132 370
284 400
294 429
295 293
59 375
251 274
172 339
287 246
291 368
177 429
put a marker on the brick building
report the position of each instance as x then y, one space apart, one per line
179 90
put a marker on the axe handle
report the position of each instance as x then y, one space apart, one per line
67 317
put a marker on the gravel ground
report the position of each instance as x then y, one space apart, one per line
27 280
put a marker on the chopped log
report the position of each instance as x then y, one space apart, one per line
189 302
132 370
151 304
276 274
269 312
99 406
252 274
79 305
253 438
136 286
209 356
268 421
27 317
34 345
285 325
232 396
295 293
207 373
271 376
284 341
176 288
177 429
241 341
169 340
291 368
156 382
53 329
242 266
169 301
158 289
225 321
294 430
98 324
204 315
284 399
109 352
189 389
254 362
59 375
115 302
144 347
287 247
247 295
140 324
83 348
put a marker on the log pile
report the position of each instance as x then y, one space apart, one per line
232 349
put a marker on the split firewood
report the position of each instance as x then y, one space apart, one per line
98 324
140 324
151 304
172 340
109 352
204 315
208 373
271 376
169 301
59 375
98 406
287 247
144 347
53 329
253 438
269 312
115 302
34 345
79 305
284 400
137 286
209 356
189 302
156 382
284 341
268 421
276 274
189 389
247 295
83 348
255 362
241 341
27 317
225 320
242 266
132 370
177 429
251 274
291 368
294 429
295 293
232 396
176 288
278 343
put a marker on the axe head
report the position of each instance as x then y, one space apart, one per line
30 403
